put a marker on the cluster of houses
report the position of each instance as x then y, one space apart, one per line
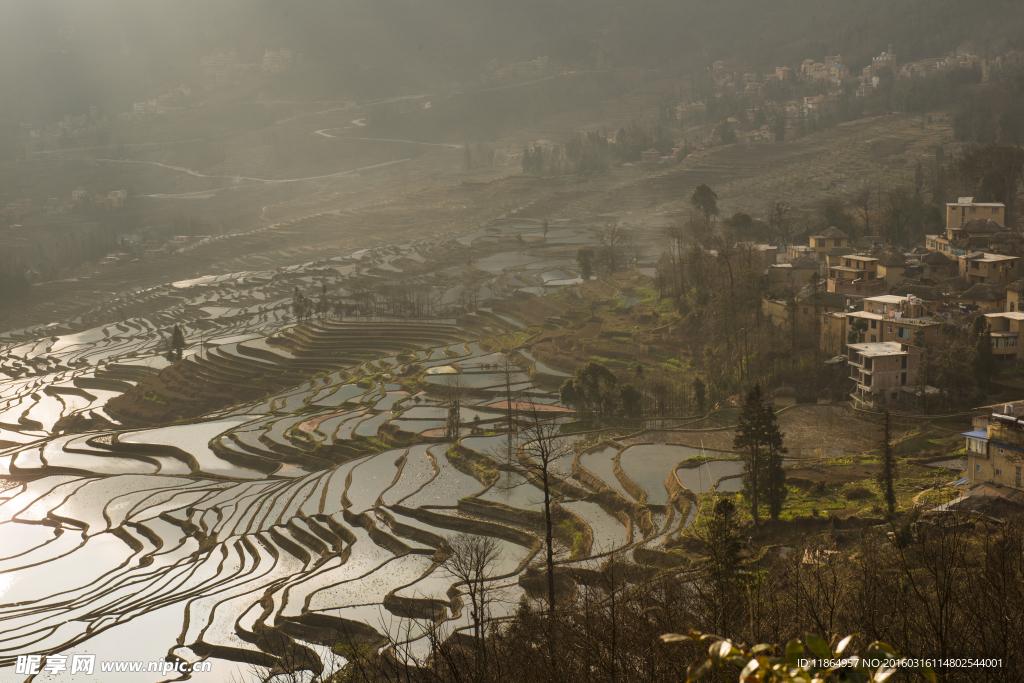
160 104
498 72
50 136
145 245
20 208
874 302
226 67
832 76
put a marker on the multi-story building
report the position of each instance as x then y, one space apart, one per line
879 370
970 226
791 276
966 209
795 251
983 268
853 267
1005 328
995 448
829 239
1013 299
891 266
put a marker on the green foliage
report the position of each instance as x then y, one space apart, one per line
177 341
759 441
811 660
699 394
887 474
985 364
704 201
593 390
585 259
574 537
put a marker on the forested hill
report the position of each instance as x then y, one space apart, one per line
61 56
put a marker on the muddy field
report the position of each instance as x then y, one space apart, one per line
809 430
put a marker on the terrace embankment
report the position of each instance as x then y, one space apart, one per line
198 385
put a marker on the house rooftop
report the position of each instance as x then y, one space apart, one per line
858 257
985 257
891 257
879 348
983 292
921 291
981 225
833 233
953 284
969 201
1009 315
805 262
887 299
936 258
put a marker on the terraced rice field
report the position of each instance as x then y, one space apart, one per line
290 516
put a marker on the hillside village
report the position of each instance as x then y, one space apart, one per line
504 343
880 313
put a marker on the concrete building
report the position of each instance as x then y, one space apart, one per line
983 268
891 266
966 209
976 234
791 276
852 267
984 297
1014 296
879 370
1005 328
995 448
829 239
650 156
937 266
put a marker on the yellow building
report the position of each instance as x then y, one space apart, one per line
854 267
995 448
891 266
966 209
829 239
1005 328
792 276
1013 296
983 268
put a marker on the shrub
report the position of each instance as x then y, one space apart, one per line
858 493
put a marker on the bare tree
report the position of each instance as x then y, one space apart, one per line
507 369
776 214
473 562
862 205
453 391
543 449
615 244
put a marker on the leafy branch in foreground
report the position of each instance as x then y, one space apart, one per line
822 664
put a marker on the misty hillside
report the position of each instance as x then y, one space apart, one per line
59 56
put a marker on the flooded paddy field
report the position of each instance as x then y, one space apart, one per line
279 470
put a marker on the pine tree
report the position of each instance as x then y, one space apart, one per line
887 475
177 342
699 394
760 442
775 477
985 364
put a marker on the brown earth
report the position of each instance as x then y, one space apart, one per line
831 430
